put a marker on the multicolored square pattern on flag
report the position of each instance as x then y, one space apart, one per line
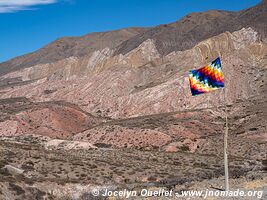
207 78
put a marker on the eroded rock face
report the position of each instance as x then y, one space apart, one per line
111 108
138 84
141 83
120 137
8 128
134 84
57 122
52 119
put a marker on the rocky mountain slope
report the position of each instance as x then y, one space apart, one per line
141 82
178 36
71 46
195 27
127 93
74 96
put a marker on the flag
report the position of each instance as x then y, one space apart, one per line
207 78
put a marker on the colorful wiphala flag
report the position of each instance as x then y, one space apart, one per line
207 78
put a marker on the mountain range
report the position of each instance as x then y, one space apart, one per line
129 89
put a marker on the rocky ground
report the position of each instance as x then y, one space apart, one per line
136 153
36 167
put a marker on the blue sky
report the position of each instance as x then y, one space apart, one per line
27 25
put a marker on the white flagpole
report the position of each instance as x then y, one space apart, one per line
225 148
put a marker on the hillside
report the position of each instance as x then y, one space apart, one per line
70 46
178 36
115 110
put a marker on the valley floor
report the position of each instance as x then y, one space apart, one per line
31 167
